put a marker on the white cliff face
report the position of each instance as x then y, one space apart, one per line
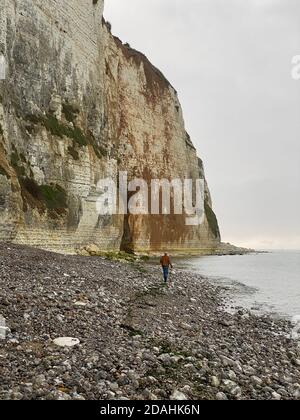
76 106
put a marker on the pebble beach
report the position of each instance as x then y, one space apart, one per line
88 328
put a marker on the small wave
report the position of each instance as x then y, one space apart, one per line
235 285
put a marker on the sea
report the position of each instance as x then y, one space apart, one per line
265 283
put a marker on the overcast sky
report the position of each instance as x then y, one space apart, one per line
230 61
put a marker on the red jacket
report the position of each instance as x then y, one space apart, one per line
165 261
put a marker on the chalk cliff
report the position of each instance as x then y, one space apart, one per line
77 106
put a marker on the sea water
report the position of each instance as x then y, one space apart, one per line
263 282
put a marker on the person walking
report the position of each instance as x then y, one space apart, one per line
165 262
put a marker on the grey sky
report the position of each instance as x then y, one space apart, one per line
230 61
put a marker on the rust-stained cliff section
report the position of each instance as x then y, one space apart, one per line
77 106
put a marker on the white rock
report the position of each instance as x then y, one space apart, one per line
3 332
221 396
236 391
215 382
177 395
66 342
176 359
249 371
80 304
60 318
165 358
114 386
229 384
190 367
276 396
61 396
227 362
152 380
296 394
238 367
13 340
256 380
232 375
186 326
186 389
78 397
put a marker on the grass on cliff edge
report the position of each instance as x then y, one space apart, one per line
52 196
52 125
58 129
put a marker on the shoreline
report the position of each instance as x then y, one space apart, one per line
138 339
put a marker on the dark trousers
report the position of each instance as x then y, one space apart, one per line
166 273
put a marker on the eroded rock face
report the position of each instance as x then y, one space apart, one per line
78 106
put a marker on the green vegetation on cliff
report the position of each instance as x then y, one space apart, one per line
51 197
58 129
3 172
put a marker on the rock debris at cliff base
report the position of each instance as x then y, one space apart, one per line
138 339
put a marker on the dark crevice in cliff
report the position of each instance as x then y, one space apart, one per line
212 220
127 240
